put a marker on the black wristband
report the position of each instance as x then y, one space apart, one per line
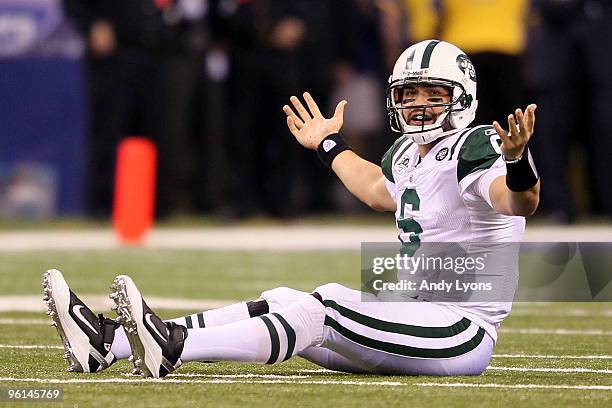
522 175
330 147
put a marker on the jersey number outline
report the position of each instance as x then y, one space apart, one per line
495 140
409 225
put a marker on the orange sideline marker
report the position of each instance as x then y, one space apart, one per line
133 206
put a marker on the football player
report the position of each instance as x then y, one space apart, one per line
445 181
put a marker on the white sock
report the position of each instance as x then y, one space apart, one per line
210 318
271 338
121 346
215 317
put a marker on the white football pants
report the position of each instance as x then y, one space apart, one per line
363 334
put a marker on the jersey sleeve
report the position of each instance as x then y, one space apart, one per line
387 160
480 158
482 180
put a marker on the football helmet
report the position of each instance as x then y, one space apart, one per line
433 63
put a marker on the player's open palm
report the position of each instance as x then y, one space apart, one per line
308 125
520 127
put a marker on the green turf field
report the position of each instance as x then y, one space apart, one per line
548 355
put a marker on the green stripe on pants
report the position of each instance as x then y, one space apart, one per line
407 351
399 328
201 320
275 342
290 335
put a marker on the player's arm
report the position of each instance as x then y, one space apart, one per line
363 179
518 192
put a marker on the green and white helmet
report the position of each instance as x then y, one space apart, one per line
436 63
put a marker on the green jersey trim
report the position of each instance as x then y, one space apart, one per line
477 152
387 160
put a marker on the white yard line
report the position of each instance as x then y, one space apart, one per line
301 382
244 238
303 237
24 322
195 381
560 332
550 370
561 312
548 356
265 376
322 370
29 346
519 386
34 303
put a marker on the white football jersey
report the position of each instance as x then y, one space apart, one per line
444 197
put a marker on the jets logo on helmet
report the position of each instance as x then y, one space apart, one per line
433 63
466 66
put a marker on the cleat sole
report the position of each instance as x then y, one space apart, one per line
74 365
124 311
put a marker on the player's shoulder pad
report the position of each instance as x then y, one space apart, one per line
386 163
478 151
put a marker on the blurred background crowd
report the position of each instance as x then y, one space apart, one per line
206 80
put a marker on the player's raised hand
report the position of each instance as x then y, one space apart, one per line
521 127
308 125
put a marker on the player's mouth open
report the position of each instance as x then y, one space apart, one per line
418 119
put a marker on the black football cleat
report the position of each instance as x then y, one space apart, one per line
87 338
156 345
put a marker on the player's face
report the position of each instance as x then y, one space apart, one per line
422 95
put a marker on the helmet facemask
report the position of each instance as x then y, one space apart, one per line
424 133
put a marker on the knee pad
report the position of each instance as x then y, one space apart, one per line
331 290
282 297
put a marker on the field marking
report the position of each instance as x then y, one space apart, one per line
161 303
550 370
210 381
562 332
561 313
321 370
29 346
34 303
256 238
303 382
25 322
304 237
520 386
591 357
275 376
